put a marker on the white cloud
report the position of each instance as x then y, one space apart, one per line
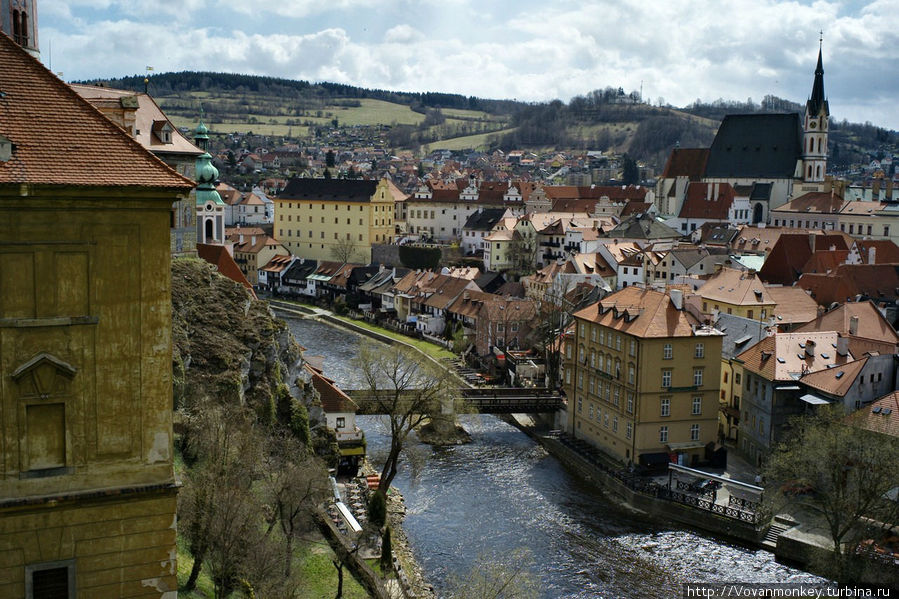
680 50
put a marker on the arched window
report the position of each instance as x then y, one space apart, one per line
23 28
16 27
809 176
819 145
209 235
811 145
819 171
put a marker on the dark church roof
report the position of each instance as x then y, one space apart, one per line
342 190
756 145
817 101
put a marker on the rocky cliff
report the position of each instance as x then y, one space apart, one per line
229 347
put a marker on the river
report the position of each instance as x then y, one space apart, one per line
503 492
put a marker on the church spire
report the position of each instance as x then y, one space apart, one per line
817 102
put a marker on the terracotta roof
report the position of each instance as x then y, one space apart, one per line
218 256
61 139
709 201
792 251
333 399
468 303
686 162
885 251
859 207
794 305
868 323
635 208
148 119
880 416
762 239
736 287
640 312
595 192
835 381
508 309
277 264
848 281
825 261
784 356
813 203
447 289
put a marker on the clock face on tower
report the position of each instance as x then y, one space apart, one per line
813 124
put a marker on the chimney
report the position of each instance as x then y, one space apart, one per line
240 238
811 241
677 298
708 191
842 346
253 240
853 325
809 347
871 255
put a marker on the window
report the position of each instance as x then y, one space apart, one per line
628 430
666 406
630 374
602 337
580 380
615 424
697 404
663 434
593 334
633 348
737 378
630 402
605 420
591 411
699 351
592 386
50 579
697 377
748 314
341 422
580 405
666 378
667 352
618 342
616 395
694 432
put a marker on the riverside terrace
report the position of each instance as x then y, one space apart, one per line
507 400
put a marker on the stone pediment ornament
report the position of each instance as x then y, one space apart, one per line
41 375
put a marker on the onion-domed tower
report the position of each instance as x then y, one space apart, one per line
210 207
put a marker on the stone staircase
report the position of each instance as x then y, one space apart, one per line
771 536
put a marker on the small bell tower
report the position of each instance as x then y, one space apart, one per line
18 19
815 128
210 207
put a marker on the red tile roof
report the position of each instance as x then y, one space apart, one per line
881 416
791 252
709 201
878 281
218 256
686 162
814 203
640 312
61 139
333 399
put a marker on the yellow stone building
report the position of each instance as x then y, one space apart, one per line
87 489
641 376
334 219
738 292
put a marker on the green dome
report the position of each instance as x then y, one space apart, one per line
201 132
206 172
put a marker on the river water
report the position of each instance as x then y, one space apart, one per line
503 492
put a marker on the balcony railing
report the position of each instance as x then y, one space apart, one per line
354 435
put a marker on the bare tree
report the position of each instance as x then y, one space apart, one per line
294 482
218 511
407 388
842 474
505 576
344 250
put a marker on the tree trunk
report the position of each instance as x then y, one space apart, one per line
289 557
339 565
194 572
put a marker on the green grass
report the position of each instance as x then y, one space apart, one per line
435 351
317 577
469 142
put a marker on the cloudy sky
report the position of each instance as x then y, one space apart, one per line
680 50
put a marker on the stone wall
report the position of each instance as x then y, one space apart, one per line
122 546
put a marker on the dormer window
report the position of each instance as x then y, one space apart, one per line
163 131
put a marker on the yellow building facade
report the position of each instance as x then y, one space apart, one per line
87 488
641 375
737 292
334 219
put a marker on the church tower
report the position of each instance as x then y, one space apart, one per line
18 20
814 130
210 207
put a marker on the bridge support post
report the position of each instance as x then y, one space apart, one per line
444 423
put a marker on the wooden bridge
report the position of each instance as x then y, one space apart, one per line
492 400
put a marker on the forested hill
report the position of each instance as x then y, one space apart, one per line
608 119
